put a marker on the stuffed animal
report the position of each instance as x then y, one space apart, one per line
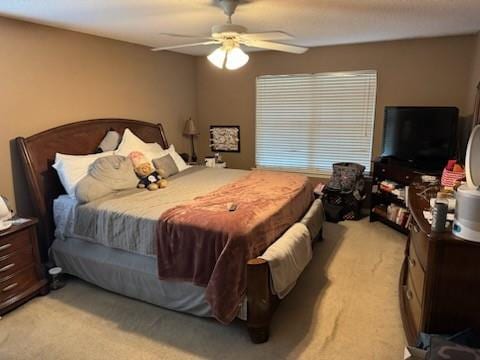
149 178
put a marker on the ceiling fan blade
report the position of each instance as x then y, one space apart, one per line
267 35
276 46
184 45
186 36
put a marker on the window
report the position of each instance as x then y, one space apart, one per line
307 122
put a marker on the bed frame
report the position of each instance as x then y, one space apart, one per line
37 153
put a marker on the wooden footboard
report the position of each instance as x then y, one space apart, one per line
261 303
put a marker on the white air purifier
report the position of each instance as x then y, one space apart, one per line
467 211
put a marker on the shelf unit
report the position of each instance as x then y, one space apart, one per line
388 169
374 216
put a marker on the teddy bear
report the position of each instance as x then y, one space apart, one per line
149 177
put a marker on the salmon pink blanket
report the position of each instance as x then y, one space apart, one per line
204 243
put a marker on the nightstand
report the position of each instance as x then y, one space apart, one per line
21 273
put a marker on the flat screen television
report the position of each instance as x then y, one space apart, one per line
423 137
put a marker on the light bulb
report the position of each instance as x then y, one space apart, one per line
236 58
217 57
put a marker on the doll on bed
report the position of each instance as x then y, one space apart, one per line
149 177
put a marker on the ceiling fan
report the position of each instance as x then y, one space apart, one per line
230 36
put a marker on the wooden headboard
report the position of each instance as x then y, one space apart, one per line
37 153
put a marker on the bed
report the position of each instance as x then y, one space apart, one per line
126 267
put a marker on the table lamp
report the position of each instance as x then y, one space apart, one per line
191 130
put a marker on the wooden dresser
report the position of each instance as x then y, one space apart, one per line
21 273
440 278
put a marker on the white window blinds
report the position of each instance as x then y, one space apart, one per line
308 122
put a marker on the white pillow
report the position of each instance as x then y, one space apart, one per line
154 151
130 142
72 168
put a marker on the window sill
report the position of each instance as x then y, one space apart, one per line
325 175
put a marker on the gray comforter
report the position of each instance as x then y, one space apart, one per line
127 220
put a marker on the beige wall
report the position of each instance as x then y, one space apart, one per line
51 77
412 72
475 78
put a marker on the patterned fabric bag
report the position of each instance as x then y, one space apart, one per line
346 177
344 193
449 178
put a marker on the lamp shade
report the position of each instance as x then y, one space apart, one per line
236 58
228 56
218 57
190 128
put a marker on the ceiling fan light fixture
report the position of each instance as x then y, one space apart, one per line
231 36
228 56
217 57
236 58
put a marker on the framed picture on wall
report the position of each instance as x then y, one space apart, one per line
225 138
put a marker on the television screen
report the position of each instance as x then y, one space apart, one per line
425 137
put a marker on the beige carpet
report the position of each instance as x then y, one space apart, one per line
344 307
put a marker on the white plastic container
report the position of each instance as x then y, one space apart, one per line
467 211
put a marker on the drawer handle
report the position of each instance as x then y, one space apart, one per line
5 247
414 227
411 262
409 294
10 287
6 267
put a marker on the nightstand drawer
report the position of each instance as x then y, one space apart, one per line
14 242
12 285
15 261
416 273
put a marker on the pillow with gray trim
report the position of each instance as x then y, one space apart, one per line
165 166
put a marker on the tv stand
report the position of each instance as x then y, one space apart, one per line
388 204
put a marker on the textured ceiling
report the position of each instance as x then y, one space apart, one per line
312 22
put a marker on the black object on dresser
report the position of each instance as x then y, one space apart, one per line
440 278
21 272
391 171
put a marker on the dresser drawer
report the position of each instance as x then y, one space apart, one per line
419 241
14 242
16 261
12 285
412 304
416 272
